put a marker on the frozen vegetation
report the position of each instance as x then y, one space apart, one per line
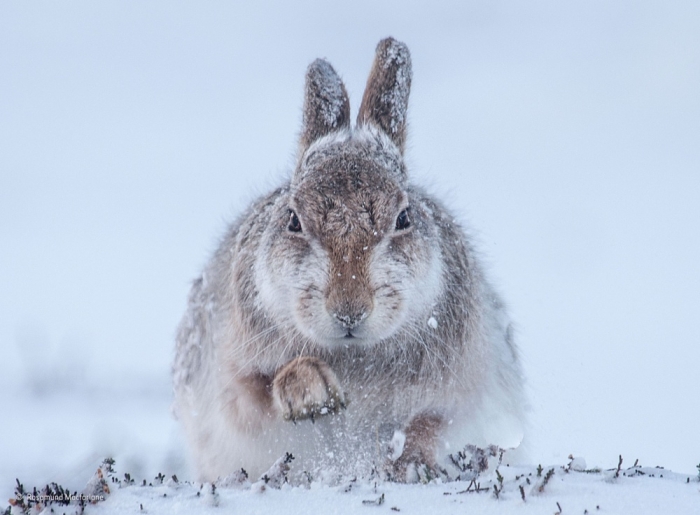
475 487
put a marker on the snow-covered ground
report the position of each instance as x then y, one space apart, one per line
559 489
565 133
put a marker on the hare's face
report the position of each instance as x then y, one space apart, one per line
351 253
352 256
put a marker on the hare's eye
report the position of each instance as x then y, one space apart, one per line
294 223
403 221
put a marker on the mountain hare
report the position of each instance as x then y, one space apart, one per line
344 317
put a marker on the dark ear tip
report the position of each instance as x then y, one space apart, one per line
390 50
323 80
320 68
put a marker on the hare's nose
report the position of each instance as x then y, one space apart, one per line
350 321
350 316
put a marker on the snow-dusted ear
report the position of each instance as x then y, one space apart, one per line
326 104
385 101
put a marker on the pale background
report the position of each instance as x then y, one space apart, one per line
566 134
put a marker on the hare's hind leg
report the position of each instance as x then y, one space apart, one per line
413 454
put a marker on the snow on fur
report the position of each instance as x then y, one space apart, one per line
396 55
326 104
330 89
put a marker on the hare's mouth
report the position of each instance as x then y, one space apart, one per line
349 335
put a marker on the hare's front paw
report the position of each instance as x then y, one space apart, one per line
305 388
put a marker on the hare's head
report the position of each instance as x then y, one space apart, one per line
352 255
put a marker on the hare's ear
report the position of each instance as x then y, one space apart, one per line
386 95
326 105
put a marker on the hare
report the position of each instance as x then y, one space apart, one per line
345 317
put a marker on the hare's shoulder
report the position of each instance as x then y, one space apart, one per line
211 292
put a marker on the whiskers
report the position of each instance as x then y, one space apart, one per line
240 349
392 290
435 358
308 289
276 335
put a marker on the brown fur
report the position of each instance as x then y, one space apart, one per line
420 445
326 104
386 93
